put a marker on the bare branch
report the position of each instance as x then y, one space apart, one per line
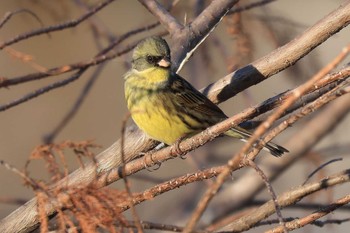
165 18
8 16
135 142
238 158
125 179
321 167
272 193
301 142
25 217
186 42
286 199
250 6
58 27
312 217
70 114
43 90
280 58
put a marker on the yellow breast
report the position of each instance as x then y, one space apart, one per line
153 110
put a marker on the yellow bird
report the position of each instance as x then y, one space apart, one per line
167 107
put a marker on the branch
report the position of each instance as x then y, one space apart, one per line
237 194
43 90
97 59
280 58
253 142
8 16
166 19
190 37
49 137
25 217
58 27
288 198
108 161
299 223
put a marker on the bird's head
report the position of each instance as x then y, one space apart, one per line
151 52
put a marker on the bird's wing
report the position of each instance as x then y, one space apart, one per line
190 97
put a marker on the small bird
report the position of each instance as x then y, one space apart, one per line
167 107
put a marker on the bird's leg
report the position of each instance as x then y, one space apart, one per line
159 146
153 162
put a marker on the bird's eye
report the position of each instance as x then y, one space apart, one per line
151 59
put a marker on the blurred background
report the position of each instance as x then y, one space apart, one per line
100 116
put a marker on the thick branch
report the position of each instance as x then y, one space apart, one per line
25 217
280 58
107 169
165 18
190 37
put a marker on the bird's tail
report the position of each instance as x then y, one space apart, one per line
244 135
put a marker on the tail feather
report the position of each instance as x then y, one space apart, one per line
244 135
276 150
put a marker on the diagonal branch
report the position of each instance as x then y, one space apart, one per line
280 58
301 142
299 223
58 27
25 216
285 199
190 37
166 19
245 152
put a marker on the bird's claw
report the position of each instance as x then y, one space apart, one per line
177 150
148 167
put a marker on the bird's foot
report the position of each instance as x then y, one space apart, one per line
177 150
148 161
151 165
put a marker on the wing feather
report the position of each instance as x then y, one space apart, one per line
189 97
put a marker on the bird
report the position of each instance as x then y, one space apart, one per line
164 105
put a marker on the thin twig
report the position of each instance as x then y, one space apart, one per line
35 185
253 165
250 6
58 27
317 223
8 16
43 90
48 138
296 224
126 183
321 167
237 158
285 199
172 185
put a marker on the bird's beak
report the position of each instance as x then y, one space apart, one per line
165 63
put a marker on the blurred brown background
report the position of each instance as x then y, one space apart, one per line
100 117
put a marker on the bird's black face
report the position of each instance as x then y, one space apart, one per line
160 61
151 52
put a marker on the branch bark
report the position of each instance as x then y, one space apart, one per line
166 19
237 194
280 58
25 218
288 198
